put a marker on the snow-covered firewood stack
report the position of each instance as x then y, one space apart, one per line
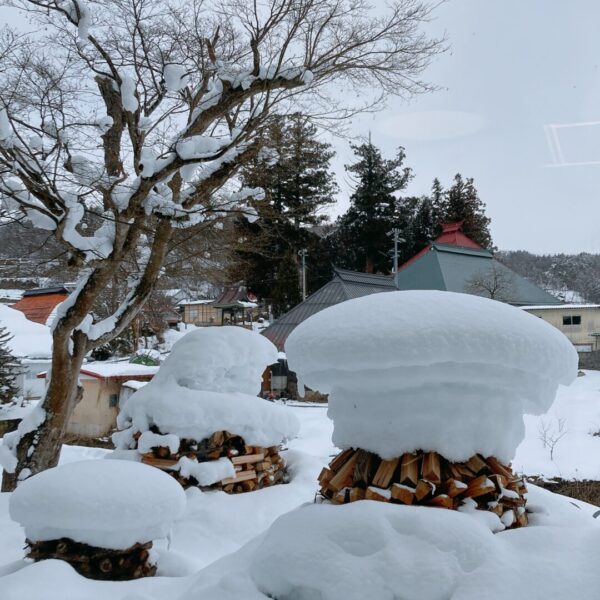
100 516
427 392
200 420
426 478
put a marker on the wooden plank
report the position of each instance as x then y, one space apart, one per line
239 477
430 470
409 469
265 465
247 459
385 472
343 478
356 494
367 464
479 487
379 494
403 493
325 476
477 465
424 489
338 461
166 464
441 501
499 469
454 488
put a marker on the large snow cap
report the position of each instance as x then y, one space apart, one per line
431 370
209 383
30 339
219 359
104 503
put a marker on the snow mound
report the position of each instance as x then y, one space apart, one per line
207 384
30 339
219 359
368 550
431 370
108 504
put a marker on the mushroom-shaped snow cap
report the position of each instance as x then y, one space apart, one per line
219 359
104 503
431 370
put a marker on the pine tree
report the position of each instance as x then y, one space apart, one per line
9 367
462 203
298 186
362 236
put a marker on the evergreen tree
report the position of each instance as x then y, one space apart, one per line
298 186
9 366
462 203
362 237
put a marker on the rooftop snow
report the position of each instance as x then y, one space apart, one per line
30 339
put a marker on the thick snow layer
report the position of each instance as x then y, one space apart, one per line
431 370
175 77
30 339
219 359
109 504
206 385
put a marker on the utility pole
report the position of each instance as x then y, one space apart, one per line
397 239
302 254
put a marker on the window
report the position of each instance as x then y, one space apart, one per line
572 320
194 314
113 400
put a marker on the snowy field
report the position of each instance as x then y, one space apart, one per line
214 550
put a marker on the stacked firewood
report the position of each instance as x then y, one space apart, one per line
255 467
97 563
426 478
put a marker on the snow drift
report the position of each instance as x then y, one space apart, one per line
30 339
437 371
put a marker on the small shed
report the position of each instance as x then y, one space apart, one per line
102 382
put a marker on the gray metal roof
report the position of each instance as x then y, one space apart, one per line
453 269
345 285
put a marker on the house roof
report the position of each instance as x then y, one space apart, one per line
116 370
345 285
455 268
39 305
561 306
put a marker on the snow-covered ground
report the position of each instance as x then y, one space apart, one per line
219 548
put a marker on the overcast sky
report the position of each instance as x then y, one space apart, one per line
515 68
520 93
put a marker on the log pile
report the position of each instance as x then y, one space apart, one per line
96 563
256 467
426 478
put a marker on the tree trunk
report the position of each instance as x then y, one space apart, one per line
40 449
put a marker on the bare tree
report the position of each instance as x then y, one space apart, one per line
140 112
494 283
550 435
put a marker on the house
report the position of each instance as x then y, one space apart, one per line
200 312
579 322
39 305
96 414
455 263
31 344
345 285
234 306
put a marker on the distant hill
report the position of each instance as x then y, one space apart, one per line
570 277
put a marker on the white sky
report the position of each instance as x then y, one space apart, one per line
514 68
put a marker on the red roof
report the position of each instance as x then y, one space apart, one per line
451 236
38 308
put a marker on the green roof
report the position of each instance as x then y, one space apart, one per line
466 270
